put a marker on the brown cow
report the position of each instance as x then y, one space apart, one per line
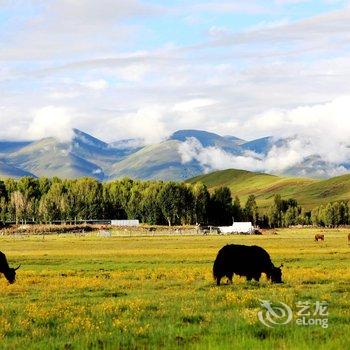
319 237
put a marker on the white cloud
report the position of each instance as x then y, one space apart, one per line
99 84
241 7
133 72
64 29
193 104
325 127
123 80
286 2
277 161
51 121
58 95
213 158
146 123
323 33
322 130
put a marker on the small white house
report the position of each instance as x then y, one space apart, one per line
125 222
238 227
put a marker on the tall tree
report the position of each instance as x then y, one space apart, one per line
237 211
19 204
251 210
175 202
220 210
201 198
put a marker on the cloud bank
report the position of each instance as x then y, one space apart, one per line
295 157
307 136
51 121
116 71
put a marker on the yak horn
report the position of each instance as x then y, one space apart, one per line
17 267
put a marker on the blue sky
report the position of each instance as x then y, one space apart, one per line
120 69
194 25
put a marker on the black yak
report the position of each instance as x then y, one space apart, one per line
10 273
248 261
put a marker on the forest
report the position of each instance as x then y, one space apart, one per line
45 200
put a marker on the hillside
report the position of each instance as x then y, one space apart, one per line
7 147
308 192
208 139
83 155
48 157
161 161
7 170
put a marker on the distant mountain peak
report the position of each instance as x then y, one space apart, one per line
261 146
193 132
207 139
135 143
204 137
88 139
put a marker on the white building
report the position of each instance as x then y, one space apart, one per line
238 227
104 233
125 222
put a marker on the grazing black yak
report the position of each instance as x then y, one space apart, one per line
242 260
10 273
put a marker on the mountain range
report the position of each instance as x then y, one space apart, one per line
185 154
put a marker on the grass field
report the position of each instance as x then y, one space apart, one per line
157 292
308 192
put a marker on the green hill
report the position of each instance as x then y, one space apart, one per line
309 192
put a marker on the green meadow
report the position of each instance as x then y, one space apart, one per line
309 193
115 292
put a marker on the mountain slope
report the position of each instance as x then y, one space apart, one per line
83 155
261 146
100 153
160 161
315 166
209 139
324 191
48 157
164 161
7 147
7 170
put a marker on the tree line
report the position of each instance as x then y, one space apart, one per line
154 202
285 213
46 200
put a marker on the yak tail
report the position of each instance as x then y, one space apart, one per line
216 269
3 261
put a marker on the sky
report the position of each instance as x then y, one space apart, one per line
144 69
